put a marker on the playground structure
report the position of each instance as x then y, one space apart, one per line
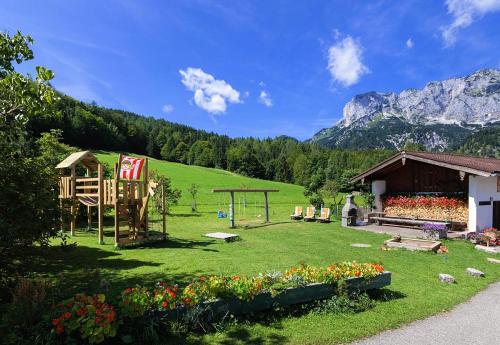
231 192
127 192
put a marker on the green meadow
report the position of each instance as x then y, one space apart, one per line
415 292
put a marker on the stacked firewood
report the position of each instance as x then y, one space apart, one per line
457 214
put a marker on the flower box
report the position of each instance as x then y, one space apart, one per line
290 296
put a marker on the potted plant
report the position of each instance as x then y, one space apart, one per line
435 230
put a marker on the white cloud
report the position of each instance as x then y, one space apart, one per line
210 94
167 108
464 12
409 43
265 99
345 61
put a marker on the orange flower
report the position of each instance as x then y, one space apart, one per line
164 304
236 278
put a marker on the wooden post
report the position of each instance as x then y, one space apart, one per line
116 199
61 210
266 207
164 210
89 218
100 206
61 196
89 208
73 208
231 209
146 190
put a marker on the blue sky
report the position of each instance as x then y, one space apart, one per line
256 68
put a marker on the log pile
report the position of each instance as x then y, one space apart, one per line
457 214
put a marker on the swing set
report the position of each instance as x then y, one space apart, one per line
242 200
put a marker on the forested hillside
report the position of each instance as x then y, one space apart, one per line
281 159
485 142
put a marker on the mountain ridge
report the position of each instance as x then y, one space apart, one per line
440 116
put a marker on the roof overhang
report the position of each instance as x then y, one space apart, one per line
86 158
403 156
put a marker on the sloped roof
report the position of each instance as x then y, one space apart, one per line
84 157
473 165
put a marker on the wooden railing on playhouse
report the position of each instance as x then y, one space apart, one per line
128 197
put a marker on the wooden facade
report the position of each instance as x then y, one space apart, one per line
419 177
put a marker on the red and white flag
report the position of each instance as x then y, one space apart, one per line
131 168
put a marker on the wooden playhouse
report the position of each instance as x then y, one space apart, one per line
128 192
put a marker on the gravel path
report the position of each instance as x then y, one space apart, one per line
474 322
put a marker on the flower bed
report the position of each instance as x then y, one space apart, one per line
94 319
425 207
489 237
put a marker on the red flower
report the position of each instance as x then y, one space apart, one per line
111 316
171 293
59 329
67 315
164 304
81 312
55 322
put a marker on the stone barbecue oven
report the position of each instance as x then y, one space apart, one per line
349 211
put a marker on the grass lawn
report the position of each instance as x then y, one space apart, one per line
417 293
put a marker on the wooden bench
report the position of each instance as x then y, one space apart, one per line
407 221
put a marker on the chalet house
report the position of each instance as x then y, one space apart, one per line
474 178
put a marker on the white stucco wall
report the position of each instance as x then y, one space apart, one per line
378 188
481 189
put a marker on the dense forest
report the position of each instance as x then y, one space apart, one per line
283 158
485 142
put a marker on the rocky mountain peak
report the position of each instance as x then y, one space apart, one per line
439 116
474 99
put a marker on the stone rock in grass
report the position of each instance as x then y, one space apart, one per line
360 245
446 278
493 261
474 272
